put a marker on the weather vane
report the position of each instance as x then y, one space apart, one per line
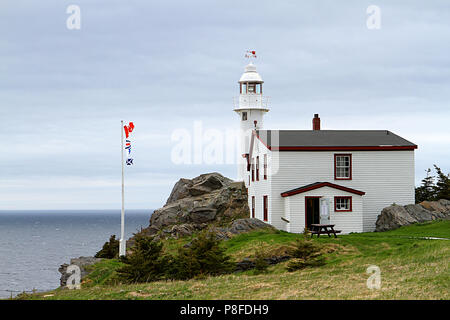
250 54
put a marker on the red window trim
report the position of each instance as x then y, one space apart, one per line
351 169
265 208
253 206
257 168
342 197
253 169
265 166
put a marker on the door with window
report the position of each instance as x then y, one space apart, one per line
312 211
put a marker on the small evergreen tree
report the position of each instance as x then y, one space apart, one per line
305 253
203 257
442 187
426 191
261 263
110 249
146 263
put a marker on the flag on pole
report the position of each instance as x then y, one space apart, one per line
128 130
250 54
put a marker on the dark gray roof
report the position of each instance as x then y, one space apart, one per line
333 138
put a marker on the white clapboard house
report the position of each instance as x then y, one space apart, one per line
296 178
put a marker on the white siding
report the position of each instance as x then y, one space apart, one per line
345 221
260 188
385 176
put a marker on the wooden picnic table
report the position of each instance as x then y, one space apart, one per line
323 229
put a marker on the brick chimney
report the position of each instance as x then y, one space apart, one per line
316 122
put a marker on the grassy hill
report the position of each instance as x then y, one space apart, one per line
412 267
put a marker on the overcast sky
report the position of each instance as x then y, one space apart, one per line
166 64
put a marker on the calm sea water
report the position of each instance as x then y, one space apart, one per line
33 244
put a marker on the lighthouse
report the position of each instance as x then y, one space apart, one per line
251 107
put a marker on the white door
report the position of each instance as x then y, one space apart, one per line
324 211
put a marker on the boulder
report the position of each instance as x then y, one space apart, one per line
209 199
81 262
239 226
202 184
395 216
180 190
248 224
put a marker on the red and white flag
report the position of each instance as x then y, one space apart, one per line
128 129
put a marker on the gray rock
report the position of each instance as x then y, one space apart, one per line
202 184
209 198
395 216
419 213
239 226
81 262
248 224
202 214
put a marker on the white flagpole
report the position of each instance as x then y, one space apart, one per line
122 243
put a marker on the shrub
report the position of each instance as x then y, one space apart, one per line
203 257
305 254
146 263
110 249
261 263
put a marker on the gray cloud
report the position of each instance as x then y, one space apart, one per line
165 65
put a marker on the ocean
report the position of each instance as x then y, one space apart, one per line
33 244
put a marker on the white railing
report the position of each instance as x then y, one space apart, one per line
251 101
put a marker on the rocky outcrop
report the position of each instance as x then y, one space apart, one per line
82 262
240 226
202 184
395 216
209 200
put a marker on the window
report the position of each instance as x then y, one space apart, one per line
265 208
253 169
342 204
243 88
257 168
244 116
253 206
265 167
251 88
342 166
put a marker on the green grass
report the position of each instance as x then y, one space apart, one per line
411 268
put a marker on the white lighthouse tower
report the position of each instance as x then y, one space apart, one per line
251 107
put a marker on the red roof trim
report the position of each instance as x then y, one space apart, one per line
320 185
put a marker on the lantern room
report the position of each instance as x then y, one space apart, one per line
250 81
